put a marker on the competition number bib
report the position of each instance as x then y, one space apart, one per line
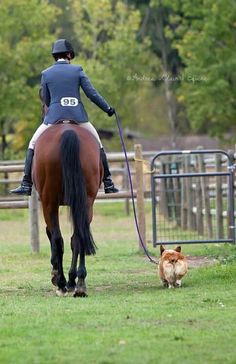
69 101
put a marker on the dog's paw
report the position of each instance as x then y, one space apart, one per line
165 284
178 284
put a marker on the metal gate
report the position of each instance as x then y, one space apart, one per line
193 197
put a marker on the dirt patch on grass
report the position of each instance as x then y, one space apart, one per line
200 261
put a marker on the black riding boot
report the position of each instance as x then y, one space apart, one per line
26 184
109 186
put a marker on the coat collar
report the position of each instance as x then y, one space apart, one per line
61 62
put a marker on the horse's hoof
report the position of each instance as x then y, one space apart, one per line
70 288
71 291
80 294
61 292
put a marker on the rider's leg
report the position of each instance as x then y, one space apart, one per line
26 184
109 186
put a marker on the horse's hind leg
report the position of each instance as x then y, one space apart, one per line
71 284
57 247
54 262
80 290
57 241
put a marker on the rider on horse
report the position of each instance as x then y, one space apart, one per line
60 92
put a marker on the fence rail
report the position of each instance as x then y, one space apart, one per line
194 204
118 169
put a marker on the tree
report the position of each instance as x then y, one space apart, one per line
205 37
195 41
24 51
111 54
156 15
63 24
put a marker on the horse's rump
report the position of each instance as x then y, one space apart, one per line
47 157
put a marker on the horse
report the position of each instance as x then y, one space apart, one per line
67 171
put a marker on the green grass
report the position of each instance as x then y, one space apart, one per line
128 317
12 215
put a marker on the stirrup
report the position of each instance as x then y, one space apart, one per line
24 189
109 186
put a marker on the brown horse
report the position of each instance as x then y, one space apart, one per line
67 171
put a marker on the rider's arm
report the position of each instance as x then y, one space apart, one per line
92 93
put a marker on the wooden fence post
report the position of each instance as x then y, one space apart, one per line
33 219
140 192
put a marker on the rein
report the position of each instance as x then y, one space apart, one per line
118 122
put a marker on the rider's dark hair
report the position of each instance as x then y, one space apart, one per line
63 55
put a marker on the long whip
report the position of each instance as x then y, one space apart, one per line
118 122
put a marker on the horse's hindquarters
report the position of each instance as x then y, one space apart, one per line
67 169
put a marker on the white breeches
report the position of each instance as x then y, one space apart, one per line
43 127
92 130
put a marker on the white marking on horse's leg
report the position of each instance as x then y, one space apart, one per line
61 293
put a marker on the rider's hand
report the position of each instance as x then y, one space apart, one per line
111 111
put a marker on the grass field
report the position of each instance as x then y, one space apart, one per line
128 317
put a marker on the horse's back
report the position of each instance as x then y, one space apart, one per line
47 168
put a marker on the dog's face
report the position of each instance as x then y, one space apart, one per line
172 266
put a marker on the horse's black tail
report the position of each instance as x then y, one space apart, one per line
74 190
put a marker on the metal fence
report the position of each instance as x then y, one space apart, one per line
193 197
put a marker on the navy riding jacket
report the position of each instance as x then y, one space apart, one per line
60 90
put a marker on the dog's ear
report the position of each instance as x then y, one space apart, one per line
162 249
178 249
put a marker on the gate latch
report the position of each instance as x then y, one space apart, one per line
232 168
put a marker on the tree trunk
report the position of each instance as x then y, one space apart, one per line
170 99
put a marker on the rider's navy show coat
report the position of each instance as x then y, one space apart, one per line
60 90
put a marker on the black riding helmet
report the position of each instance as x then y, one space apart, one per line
62 46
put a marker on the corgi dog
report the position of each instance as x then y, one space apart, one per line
172 267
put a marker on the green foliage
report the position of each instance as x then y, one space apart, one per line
200 44
205 36
111 55
124 47
156 19
63 25
24 48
